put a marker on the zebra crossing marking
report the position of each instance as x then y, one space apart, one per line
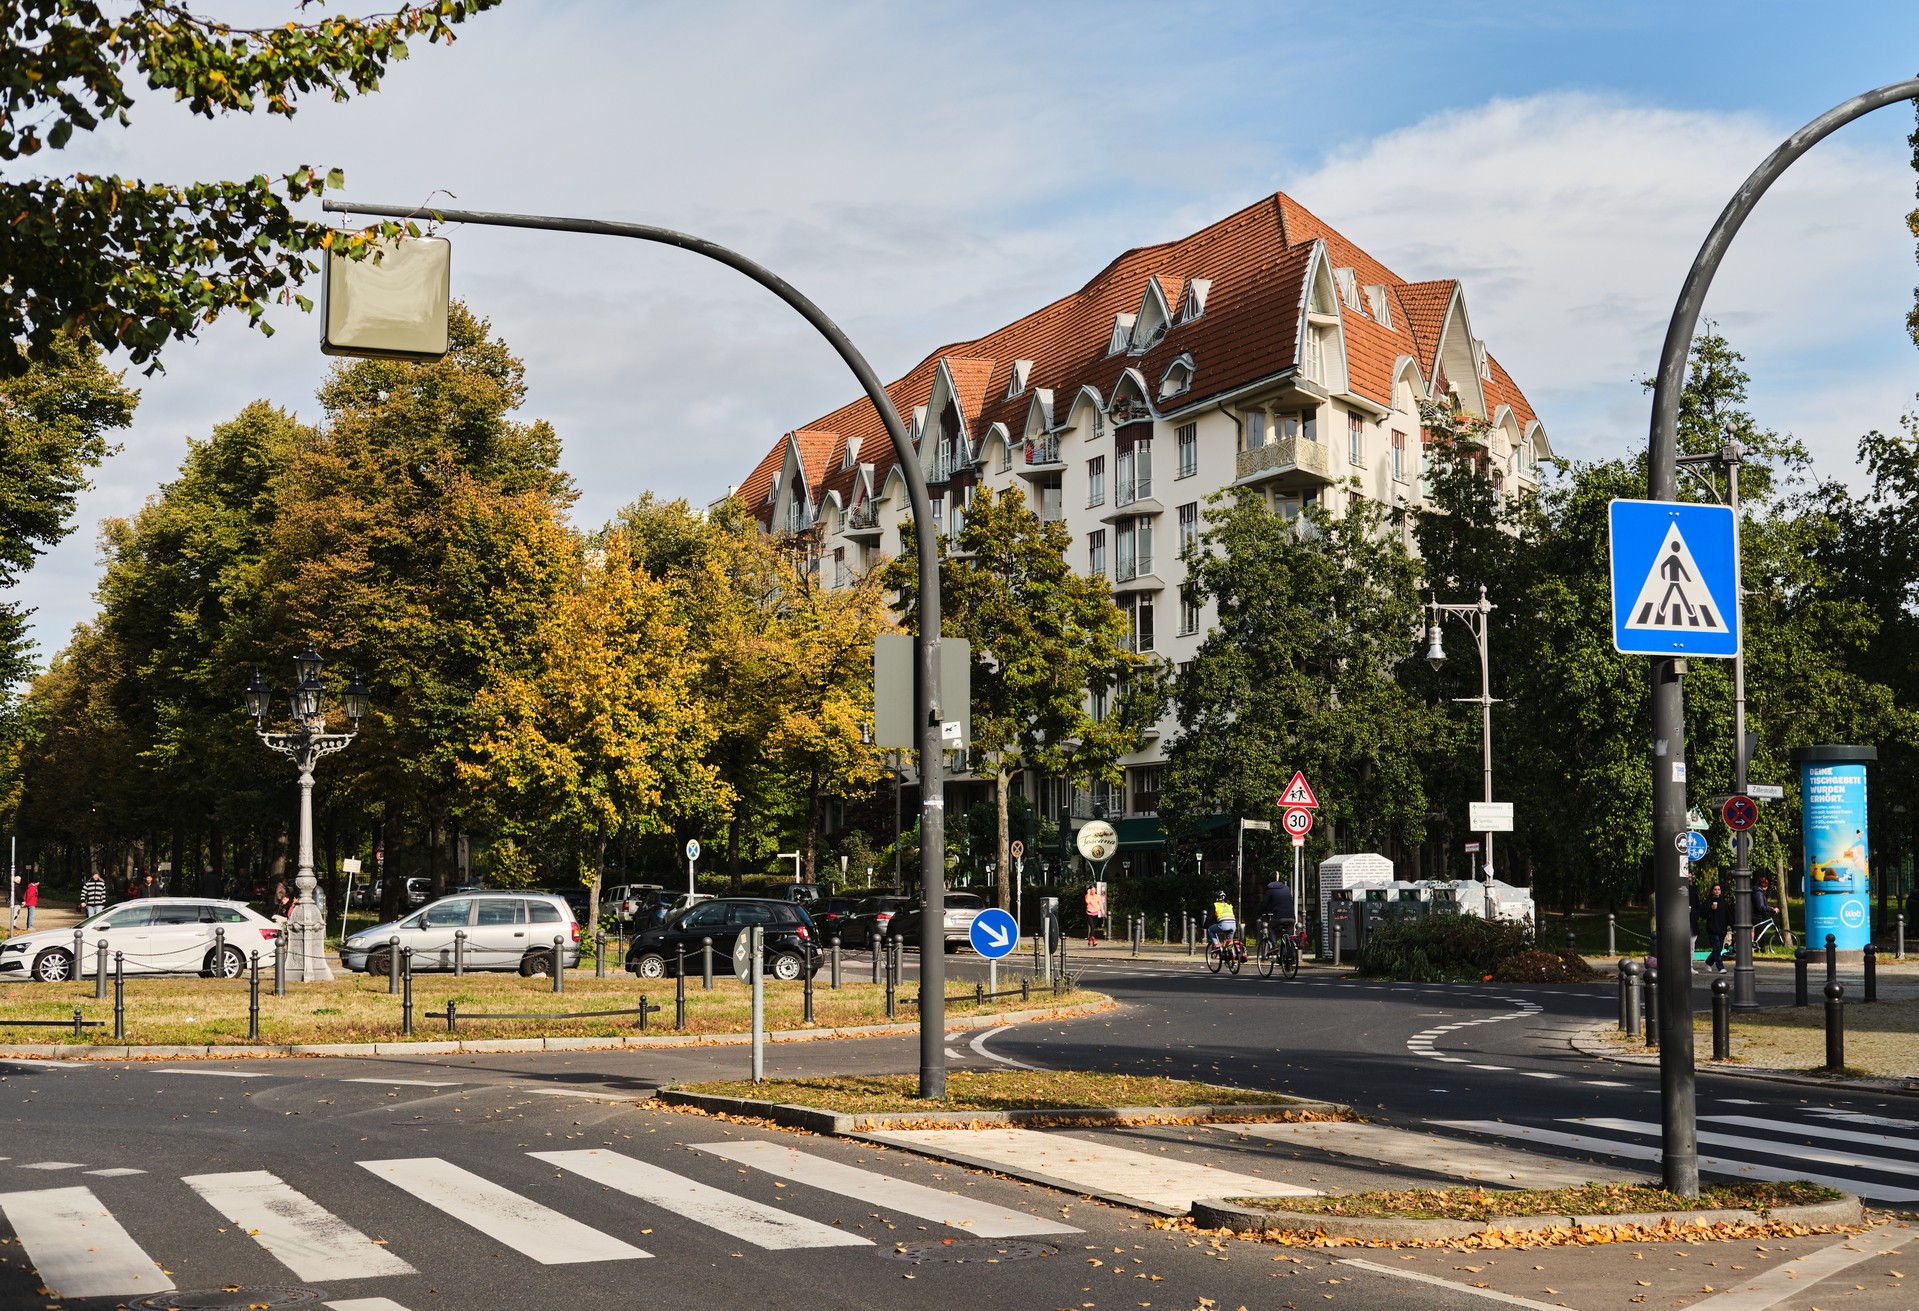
1799 1151
115 1172
364 1304
295 1230
952 1209
52 1165
77 1247
737 1217
500 1213
407 1083
1818 1131
1860 1117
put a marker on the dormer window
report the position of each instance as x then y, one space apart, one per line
773 491
1122 333
1380 305
1194 303
852 453
1481 364
1017 383
1348 283
1178 378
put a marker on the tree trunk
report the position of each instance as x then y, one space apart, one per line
217 856
1003 868
733 853
1784 908
593 897
810 847
392 886
436 852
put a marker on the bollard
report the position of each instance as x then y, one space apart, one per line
79 1024
1572 938
1900 944
119 997
807 1017
1036 953
892 1012
99 970
1619 980
879 944
1186 932
392 966
1835 1026
1652 1006
1722 1019
1339 940
836 962
1801 962
219 970
706 964
406 997
1871 956
459 953
599 954
1612 942
77 948
253 1000
1832 959
559 963
642 1012
979 993
280 944
1632 974
1025 990
679 994
452 1010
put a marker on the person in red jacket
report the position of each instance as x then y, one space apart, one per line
31 899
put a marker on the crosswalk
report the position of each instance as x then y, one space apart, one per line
1848 1150
79 1247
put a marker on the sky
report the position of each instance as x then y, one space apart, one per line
927 172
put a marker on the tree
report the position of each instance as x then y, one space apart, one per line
1044 640
136 264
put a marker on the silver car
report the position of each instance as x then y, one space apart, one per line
154 935
492 931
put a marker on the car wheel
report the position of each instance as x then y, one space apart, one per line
55 965
379 962
788 967
651 966
231 965
536 962
952 947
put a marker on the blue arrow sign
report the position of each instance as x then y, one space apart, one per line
1695 845
1675 579
994 933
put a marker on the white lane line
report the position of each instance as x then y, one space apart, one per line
405 1083
979 1045
1541 1074
1491 1295
116 1172
1489 1067
871 1187
1712 1164
737 1217
1850 1117
1887 1141
216 1074
594 1093
1795 1277
364 1304
78 1248
1795 1151
299 1233
52 1165
501 1214
1605 1083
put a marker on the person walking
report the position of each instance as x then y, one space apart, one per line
93 895
282 903
32 898
1095 911
1715 920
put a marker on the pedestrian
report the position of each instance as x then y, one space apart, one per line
147 889
93 895
1095 911
282 904
32 898
1761 907
1715 916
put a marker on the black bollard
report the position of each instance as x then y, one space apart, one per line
679 994
1832 959
879 944
79 1024
452 1012
119 996
392 966
459 953
836 962
1872 972
1652 1006
642 1012
559 963
280 944
706 964
808 967
1632 974
406 997
1722 1019
1612 926
599 954
99 970
253 1001
1619 979
219 970
892 1011
1835 1026
1801 963
1572 938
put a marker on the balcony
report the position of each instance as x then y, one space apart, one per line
1042 458
1294 459
863 523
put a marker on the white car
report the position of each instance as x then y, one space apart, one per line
154 935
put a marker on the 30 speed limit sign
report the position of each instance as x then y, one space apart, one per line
1297 821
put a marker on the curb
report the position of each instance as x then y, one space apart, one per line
1218 1213
86 1051
842 1124
1587 1043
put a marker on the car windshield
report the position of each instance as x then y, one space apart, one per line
964 901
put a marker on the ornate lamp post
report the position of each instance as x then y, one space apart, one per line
304 746
1478 617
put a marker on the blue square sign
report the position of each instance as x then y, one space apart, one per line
1675 579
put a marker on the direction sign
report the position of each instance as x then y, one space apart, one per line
692 848
1489 816
1299 792
1098 841
1765 792
1297 821
1740 813
1675 579
1695 845
1019 848
994 933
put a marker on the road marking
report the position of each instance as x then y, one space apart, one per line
979 1045
738 1217
1490 1067
1738 1101
1793 1277
115 1172
1855 1117
1605 1083
1541 1074
598 1094
1453 1158
971 1214
405 1083
1897 1144
78 1248
52 1165
365 1304
1491 1295
501 1214
1798 1151
216 1074
299 1233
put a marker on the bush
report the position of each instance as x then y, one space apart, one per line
1443 949
1539 966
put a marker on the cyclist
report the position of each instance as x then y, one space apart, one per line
1277 904
1223 928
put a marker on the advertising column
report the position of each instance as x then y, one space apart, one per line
1837 873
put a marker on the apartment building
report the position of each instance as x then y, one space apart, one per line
1265 352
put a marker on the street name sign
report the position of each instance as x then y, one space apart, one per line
1675 579
1489 816
1765 792
1299 792
994 933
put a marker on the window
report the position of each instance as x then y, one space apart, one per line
1100 705
1315 355
1140 612
446 915
500 910
1134 543
542 912
1188 436
1188 528
1355 438
175 913
1134 474
1300 426
1189 609
1005 455
1096 552
839 566
939 514
706 915
1096 480
1255 429
959 514
1399 457
1145 780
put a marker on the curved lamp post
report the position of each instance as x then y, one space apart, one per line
304 746
1680 1142
1478 616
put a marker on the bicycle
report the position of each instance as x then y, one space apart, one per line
1289 952
1228 955
1269 951
1766 934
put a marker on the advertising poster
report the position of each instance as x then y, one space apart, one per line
1838 861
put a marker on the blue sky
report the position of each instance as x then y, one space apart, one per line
929 171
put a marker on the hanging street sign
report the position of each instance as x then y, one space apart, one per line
994 933
1299 792
1098 841
1489 816
1675 579
1297 821
1695 845
1740 813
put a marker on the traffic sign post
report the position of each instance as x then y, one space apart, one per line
1695 845
1675 579
994 935
1740 813
692 855
1299 792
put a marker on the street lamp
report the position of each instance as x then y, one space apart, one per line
304 746
893 769
1478 617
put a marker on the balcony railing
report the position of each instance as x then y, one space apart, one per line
1042 450
1286 453
864 518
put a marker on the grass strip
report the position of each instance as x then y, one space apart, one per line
1588 1199
988 1090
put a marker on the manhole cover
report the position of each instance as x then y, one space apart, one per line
227 1299
964 1251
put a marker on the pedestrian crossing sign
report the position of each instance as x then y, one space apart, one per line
1675 579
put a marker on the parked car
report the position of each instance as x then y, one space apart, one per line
871 917
832 918
504 931
418 890
791 946
806 894
153 935
961 907
630 899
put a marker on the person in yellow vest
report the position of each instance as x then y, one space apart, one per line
1223 928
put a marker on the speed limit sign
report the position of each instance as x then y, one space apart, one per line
1297 821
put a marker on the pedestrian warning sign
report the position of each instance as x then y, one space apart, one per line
1298 793
1675 579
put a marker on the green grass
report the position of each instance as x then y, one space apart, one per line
991 1090
1586 1200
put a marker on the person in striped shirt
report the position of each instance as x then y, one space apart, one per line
93 895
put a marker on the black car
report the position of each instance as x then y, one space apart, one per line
791 947
832 918
960 908
871 917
